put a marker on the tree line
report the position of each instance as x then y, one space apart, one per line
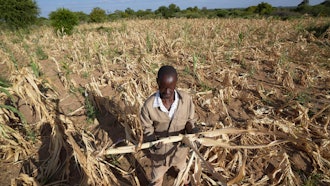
173 11
23 13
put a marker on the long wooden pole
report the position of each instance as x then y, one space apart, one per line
202 137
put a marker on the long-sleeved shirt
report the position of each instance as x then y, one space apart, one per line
157 124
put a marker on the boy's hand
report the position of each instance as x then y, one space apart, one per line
157 146
190 129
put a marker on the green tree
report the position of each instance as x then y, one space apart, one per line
264 8
98 15
144 13
148 14
191 9
322 9
326 3
236 13
222 13
251 9
163 11
63 20
18 13
118 14
168 12
82 16
173 8
303 6
130 12
304 3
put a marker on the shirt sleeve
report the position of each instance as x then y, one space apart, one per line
192 118
190 125
147 125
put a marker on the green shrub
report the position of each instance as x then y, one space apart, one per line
168 12
251 9
18 13
322 9
143 14
236 13
63 20
317 10
285 14
97 15
41 21
264 8
222 13
82 17
193 15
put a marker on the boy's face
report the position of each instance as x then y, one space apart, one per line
166 86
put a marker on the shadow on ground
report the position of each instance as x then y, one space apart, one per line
54 163
111 131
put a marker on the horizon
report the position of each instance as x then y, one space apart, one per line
86 6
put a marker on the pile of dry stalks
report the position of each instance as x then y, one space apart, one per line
261 90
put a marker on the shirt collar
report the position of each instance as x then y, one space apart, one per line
158 103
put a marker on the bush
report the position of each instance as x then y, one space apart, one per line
251 9
236 13
63 20
82 17
285 14
145 14
97 15
18 13
222 13
264 8
319 10
41 21
168 12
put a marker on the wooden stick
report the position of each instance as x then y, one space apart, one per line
200 137
131 148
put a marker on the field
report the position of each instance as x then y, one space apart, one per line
65 99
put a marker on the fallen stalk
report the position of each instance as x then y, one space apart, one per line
202 137
222 181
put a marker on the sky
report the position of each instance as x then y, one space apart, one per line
47 6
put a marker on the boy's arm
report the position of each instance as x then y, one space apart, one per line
147 125
190 125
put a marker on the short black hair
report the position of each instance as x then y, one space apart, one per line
166 70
